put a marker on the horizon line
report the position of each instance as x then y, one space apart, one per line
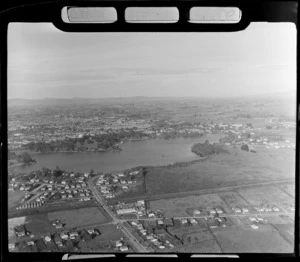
127 97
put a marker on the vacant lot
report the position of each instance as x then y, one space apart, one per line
176 207
182 230
14 198
265 239
79 217
289 189
237 168
197 237
266 195
39 224
287 231
233 199
210 246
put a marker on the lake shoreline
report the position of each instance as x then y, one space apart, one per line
156 152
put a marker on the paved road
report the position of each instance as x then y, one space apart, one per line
135 243
196 192
139 247
98 197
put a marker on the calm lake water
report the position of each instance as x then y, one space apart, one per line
154 152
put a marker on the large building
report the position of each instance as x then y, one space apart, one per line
126 211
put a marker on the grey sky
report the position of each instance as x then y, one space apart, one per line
45 62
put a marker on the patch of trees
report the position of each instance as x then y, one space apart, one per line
245 147
21 158
206 149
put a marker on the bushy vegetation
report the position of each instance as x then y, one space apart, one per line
20 158
245 147
206 149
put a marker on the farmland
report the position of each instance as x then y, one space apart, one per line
239 241
233 199
209 246
237 168
79 217
269 195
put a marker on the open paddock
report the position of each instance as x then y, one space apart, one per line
287 231
235 240
223 170
266 195
79 217
39 224
233 199
197 237
185 229
289 189
210 246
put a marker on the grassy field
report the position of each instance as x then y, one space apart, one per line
289 189
14 198
53 207
233 199
265 239
79 217
176 207
209 246
237 168
269 195
287 231
39 224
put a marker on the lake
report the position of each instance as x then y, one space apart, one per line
155 152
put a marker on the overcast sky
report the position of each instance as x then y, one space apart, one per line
45 62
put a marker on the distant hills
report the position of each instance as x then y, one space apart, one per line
77 100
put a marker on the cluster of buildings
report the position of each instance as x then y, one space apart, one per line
217 221
159 239
109 184
59 238
121 245
61 127
137 207
251 139
66 186
22 184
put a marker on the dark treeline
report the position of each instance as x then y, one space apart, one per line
206 149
